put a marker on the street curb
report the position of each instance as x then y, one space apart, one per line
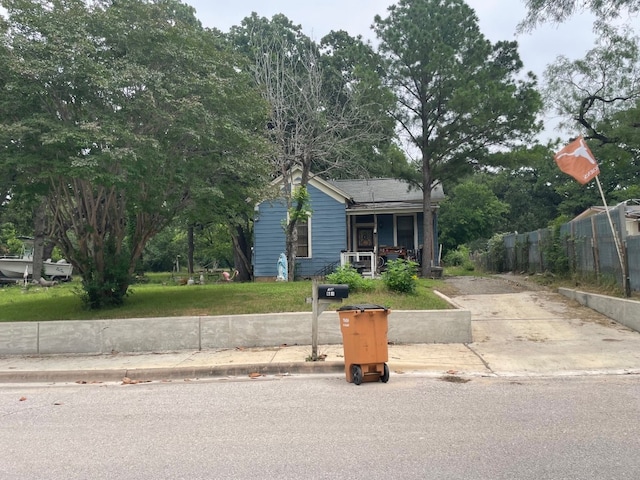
137 375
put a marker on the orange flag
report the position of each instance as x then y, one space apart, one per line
577 160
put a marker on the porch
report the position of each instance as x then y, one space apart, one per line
371 263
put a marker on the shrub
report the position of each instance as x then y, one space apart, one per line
401 276
496 253
460 257
106 288
347 275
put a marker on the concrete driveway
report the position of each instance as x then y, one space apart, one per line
520 328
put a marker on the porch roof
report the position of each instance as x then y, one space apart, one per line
384 195
384 207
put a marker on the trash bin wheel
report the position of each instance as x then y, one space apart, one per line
356 374
384 378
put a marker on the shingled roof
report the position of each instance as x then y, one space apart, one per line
384 190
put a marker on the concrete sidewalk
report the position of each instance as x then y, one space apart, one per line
518 334
426 359
436 359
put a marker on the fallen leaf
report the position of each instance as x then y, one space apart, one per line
22 399
452 372
129 381
255 375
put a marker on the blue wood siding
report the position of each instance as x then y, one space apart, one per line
328 235
268 238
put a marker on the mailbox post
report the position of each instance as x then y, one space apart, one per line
322 297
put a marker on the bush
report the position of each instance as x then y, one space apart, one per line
460 257
347 275
496 253
557 259
109 287
401 276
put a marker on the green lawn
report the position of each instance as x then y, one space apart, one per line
169 299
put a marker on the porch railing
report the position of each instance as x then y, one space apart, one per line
364 262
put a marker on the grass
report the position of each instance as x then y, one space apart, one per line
164 298
603 286
460 271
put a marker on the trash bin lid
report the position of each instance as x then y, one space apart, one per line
363 307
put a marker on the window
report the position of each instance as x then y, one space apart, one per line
405 232
304 239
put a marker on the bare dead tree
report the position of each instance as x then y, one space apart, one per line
312 130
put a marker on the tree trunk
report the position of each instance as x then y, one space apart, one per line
38 239
191 248
427 223
241 253
290 251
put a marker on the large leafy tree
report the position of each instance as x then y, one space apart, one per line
470 212
526 183
598 96
587 92
557 11
122 109
348 63
458 94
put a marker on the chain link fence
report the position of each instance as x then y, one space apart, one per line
585 248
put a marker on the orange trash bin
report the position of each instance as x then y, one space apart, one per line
364 338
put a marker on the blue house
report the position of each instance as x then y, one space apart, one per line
363 222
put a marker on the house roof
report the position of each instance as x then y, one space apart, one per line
318 182
384 190
378 195
385 195
631 210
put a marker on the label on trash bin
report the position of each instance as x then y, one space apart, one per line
345 322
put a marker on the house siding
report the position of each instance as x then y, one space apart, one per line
328 235
269 238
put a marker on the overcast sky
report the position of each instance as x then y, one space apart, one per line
498 20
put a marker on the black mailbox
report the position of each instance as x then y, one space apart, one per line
333 291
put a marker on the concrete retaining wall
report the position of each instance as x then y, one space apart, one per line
225 331
626 312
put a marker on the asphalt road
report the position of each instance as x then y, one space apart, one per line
321 427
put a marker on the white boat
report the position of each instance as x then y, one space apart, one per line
15 267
